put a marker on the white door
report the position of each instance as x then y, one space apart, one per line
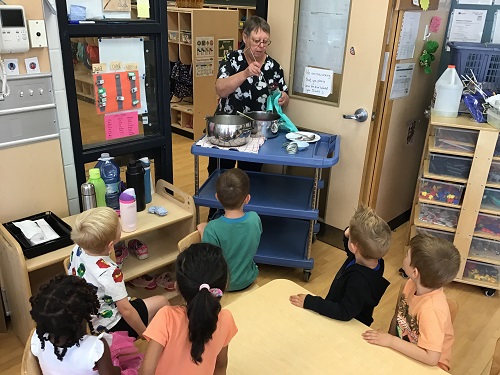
361 75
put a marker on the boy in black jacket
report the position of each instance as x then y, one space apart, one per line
359 285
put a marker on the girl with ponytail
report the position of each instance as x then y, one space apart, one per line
193 339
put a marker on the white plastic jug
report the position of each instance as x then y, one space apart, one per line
447 94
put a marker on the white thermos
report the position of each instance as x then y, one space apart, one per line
128 210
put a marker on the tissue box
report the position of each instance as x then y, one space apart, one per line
59 226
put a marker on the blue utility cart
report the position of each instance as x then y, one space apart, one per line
287 205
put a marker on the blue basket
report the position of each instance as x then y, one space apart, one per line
482 59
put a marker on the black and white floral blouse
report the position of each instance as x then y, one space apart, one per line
252 93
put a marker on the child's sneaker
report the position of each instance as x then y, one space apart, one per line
166 281
138 248
144 281
121 253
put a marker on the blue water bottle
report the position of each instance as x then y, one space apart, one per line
110 173
148 183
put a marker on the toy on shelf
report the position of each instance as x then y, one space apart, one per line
440 191
481 272
436 215
488 224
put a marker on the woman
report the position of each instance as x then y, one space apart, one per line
244 81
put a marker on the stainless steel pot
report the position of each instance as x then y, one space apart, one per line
265 123
228 130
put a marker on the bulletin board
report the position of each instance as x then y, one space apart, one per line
319 43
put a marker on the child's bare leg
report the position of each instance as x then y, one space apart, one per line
154 304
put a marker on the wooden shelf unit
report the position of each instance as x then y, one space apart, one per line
184 26
23 276
472 196
244 12
84 82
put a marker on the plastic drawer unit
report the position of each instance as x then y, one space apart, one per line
452 166
438 215
482 273
483 248
440 191
287 205
436 233
488 225
491 200
453 139
494 174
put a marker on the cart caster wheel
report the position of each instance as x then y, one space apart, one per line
488 292
307 275
403 273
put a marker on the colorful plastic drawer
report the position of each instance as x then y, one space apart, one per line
482 272
452 139
494 175
440 191
489 224
437 233
438 215
491 200
481 247
446 165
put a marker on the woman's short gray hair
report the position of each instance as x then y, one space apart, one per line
256 23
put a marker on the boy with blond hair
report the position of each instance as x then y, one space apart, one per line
237 233
95 233
359 284
421 327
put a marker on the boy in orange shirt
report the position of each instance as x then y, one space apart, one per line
421 327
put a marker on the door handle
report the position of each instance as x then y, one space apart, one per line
360 115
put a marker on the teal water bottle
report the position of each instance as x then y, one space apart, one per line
99 186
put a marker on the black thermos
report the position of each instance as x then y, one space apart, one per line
135 179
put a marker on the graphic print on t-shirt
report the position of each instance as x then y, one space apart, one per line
407 325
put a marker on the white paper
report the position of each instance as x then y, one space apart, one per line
317 82
467 25
475 2
321 37
496 2
126 50
403 75
408 35
94 10
384 67
495 31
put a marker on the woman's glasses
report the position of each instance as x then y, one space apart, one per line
258 42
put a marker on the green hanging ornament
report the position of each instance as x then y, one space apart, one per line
427 56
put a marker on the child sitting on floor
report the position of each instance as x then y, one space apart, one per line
421 327
95 233
193 339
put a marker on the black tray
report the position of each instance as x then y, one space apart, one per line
59 226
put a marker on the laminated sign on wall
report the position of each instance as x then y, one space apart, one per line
317 81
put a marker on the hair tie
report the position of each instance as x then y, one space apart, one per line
216 292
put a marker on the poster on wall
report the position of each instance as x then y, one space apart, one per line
403 75
205 67
224 47
204 46
116 5
466 25
117 91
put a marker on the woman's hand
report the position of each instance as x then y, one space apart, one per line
283 99
253 69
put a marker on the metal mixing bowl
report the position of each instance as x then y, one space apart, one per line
228 130
265 123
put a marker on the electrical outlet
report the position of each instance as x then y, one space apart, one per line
38 36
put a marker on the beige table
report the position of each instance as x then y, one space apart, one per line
275 337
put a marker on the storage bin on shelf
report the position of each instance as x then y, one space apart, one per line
446 165
494 175
438 215
440 191
491 200
481 247
436 233
173 35
481 58
482 273
453 139
488 224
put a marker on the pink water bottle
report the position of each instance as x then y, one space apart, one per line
128 210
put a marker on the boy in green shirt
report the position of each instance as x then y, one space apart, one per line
237 232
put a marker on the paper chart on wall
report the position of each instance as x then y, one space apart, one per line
408 35
466 25
403 75
126 50
475 2
321 37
